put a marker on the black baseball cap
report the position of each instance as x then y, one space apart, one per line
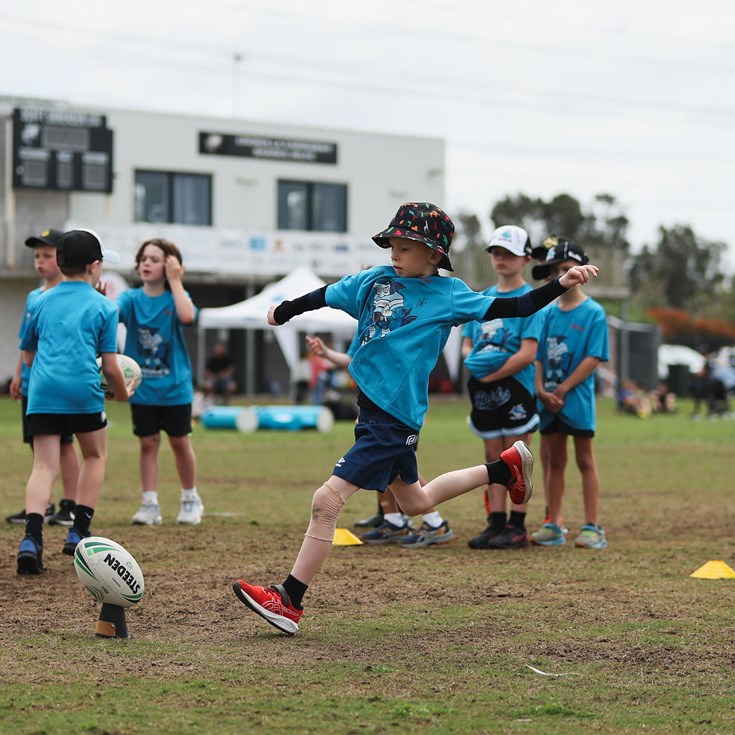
564 249
47 237
82 247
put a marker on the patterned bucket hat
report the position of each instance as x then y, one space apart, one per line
423 222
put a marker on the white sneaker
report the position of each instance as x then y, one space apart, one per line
149 514
191 512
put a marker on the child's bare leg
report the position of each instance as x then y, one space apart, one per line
69 461
388 502
556 445
326 505
415 499
92 475
186 463
149 461
44 472
590 477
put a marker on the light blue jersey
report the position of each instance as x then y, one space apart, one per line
403 325
25 371
155 340
567 338
70 325
494 341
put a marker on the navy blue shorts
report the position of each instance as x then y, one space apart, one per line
384 449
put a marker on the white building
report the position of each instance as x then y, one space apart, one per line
246 202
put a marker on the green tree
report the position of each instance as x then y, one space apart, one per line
683 271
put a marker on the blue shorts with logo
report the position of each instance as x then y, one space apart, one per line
384 449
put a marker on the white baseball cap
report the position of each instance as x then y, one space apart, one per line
511 237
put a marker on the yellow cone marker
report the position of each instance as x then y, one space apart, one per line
345 537
716 569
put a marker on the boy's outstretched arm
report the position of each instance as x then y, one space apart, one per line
286 310
535 300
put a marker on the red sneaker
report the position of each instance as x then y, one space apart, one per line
271 603
520 462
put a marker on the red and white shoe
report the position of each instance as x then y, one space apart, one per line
520 462
271 603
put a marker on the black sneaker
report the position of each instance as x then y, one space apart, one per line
72 540
509 538
21 516
373 522
30 556
65 516
482 540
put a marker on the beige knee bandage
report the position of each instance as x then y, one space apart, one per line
325 507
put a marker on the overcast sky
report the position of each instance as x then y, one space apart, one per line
633 98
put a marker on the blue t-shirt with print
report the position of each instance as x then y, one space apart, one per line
403 325
494 341
25 371
567 338
69 326
155 340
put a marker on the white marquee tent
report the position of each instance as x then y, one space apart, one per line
253 314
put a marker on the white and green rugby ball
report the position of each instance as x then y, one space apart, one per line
108 572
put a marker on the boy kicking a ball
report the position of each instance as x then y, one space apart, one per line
405 312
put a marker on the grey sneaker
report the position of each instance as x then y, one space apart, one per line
385 534
149 514
427 536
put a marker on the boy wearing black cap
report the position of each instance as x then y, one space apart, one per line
69 326
573 343
405 313
499 355
44 262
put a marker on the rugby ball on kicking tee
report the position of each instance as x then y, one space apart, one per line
108 572
129 368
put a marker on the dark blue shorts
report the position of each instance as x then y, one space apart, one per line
384 449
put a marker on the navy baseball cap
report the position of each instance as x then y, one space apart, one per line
47 237
82 247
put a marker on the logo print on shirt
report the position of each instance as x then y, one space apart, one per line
389 310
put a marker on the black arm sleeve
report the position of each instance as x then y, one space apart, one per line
527 304
309 302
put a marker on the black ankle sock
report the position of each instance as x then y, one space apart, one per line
34 527
67 504
517 519
497 521
82 518
295 590
498 472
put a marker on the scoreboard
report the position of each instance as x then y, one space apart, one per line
61 150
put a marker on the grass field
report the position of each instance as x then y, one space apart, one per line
437 640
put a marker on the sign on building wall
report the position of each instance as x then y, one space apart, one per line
261 146
61 150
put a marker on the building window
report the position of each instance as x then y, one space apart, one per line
312 206
182 199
